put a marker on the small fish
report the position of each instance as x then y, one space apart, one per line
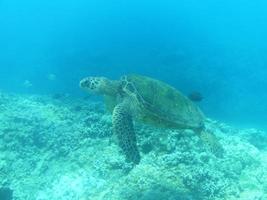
27 84
58 96
195 96
51 77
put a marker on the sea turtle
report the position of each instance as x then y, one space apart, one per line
136 97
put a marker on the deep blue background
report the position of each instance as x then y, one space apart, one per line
215 47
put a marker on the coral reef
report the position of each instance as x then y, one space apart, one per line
63 148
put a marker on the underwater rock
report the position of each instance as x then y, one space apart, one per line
6 193
146 147
256 138
78 108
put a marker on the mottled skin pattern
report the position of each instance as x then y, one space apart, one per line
150 101
123 128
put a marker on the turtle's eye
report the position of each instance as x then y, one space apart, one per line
93 84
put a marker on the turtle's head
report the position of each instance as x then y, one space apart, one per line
98 85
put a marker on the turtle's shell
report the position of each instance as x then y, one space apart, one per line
163 105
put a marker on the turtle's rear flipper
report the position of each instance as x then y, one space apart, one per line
124 130
212 143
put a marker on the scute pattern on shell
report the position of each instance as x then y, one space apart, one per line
162 104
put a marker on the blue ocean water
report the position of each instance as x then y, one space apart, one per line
215 47
56 141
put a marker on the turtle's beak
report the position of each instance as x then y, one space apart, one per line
85 83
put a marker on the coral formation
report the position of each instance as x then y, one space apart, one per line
63 148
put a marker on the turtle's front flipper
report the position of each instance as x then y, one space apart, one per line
123 128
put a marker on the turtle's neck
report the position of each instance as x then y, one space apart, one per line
111 87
